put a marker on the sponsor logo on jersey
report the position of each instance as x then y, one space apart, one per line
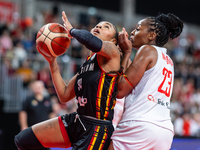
82 101
88 67
158 101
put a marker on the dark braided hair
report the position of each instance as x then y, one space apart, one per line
116 34
165 26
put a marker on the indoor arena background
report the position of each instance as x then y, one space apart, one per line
20 21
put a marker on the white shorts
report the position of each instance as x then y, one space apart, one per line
137 135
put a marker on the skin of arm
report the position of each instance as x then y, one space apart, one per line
144 59
109 50
23 120
109 57
65 92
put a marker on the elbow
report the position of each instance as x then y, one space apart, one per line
120 95
64 99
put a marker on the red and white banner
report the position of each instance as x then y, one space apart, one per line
8 12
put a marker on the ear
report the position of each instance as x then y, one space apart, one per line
152 36
114 41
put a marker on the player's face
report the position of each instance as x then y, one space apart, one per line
139 36
104 30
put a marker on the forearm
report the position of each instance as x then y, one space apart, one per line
124 84
124 64
58 82
126 61
86 38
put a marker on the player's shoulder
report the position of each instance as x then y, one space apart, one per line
148 50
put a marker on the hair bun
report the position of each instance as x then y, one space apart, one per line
175 32
172 23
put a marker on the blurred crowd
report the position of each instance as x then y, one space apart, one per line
18 53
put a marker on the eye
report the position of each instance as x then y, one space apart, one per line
137 29
107 27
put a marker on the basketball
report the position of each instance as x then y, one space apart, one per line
53 40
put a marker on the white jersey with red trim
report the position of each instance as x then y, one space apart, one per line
150 100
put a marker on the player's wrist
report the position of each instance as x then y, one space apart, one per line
71 30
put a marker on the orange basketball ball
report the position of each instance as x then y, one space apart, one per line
53 40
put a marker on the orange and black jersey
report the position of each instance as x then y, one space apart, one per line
95 90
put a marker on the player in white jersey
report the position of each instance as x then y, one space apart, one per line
147 85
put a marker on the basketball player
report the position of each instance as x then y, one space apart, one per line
147 86
95 89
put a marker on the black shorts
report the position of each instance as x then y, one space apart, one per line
85 133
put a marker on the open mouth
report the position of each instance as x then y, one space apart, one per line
96 31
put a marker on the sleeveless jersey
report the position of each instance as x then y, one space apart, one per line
150 100
95 90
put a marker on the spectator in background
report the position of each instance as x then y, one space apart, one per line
63 108
44 75
8 65
186 126
5 41
57 107
196 99
196 118
20 54
26 72
37 107
29 43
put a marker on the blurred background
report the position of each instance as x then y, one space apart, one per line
20 63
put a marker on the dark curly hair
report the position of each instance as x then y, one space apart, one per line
166 26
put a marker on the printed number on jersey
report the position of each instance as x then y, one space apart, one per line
165 86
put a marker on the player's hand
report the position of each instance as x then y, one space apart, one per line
66 23
124 43
49 59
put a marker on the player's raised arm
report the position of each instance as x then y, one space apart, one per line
99 40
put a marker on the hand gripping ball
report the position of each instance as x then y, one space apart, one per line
53 40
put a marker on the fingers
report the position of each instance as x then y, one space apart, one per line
123 32
66 23
64 17
123 35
